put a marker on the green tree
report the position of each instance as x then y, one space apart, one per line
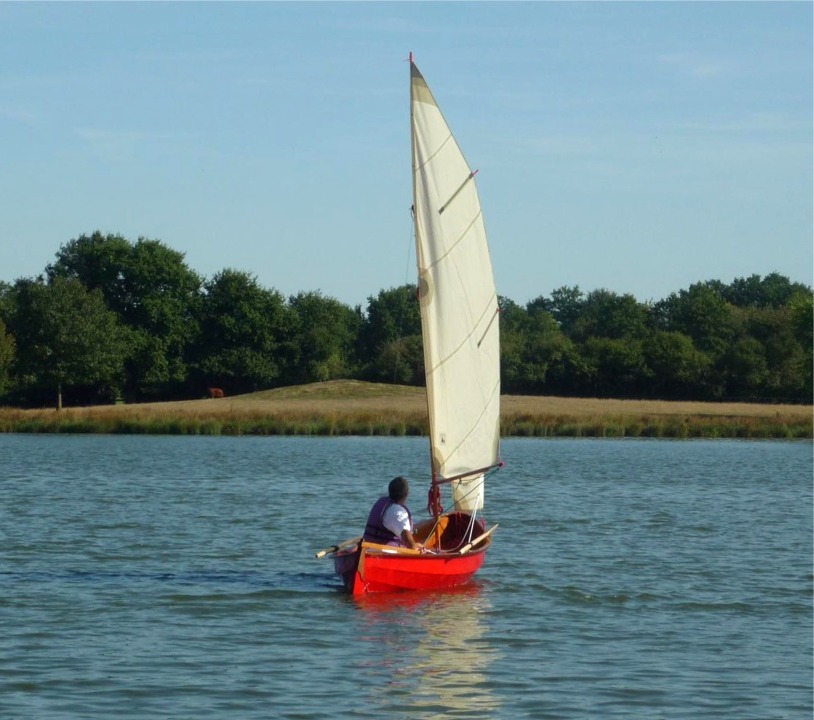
677 369
536 356
326 332
100 262
512 333
6 299
66 336
7 342
784 356
702 313
154 293
801 318
393 316
746 367
565 306
773 291
7 353
615 368
401 361
606 314
246 334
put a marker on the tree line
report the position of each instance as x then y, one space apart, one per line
112 319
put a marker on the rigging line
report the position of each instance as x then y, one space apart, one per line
470 491
483 477
485 471
466 537
471 529
467 534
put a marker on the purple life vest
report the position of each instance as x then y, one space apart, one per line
375 531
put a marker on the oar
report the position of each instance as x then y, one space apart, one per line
478 540
338 546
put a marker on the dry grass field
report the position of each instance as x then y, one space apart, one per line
347 407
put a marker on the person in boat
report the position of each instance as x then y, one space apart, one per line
390 521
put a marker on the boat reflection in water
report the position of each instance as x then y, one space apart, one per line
428 652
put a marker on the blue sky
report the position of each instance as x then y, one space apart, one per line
638 147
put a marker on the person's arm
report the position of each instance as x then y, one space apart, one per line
397 521
410 541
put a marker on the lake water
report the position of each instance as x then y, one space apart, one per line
167 577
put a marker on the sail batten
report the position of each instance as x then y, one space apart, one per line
455 194
458 301
488 327
463 344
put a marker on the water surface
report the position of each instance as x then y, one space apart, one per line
153 577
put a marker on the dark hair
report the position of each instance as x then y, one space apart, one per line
398 488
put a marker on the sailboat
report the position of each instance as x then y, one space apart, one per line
460 329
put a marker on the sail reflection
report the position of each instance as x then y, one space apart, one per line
430 652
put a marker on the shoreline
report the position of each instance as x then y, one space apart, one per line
347 407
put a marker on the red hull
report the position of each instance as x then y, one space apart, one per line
394 573
366 569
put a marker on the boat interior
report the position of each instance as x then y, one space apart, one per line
451 532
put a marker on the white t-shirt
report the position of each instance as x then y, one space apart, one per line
396 519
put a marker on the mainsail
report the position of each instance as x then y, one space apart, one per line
459 304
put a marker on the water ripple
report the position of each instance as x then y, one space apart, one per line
174 577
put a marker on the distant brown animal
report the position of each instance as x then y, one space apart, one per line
215 392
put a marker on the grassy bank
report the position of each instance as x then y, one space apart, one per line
356 408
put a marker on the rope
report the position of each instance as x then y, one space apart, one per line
467 536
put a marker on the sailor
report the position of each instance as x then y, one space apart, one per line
390 521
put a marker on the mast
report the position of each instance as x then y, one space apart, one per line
434 497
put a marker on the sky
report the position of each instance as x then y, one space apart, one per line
638 147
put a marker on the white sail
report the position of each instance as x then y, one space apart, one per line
459 304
